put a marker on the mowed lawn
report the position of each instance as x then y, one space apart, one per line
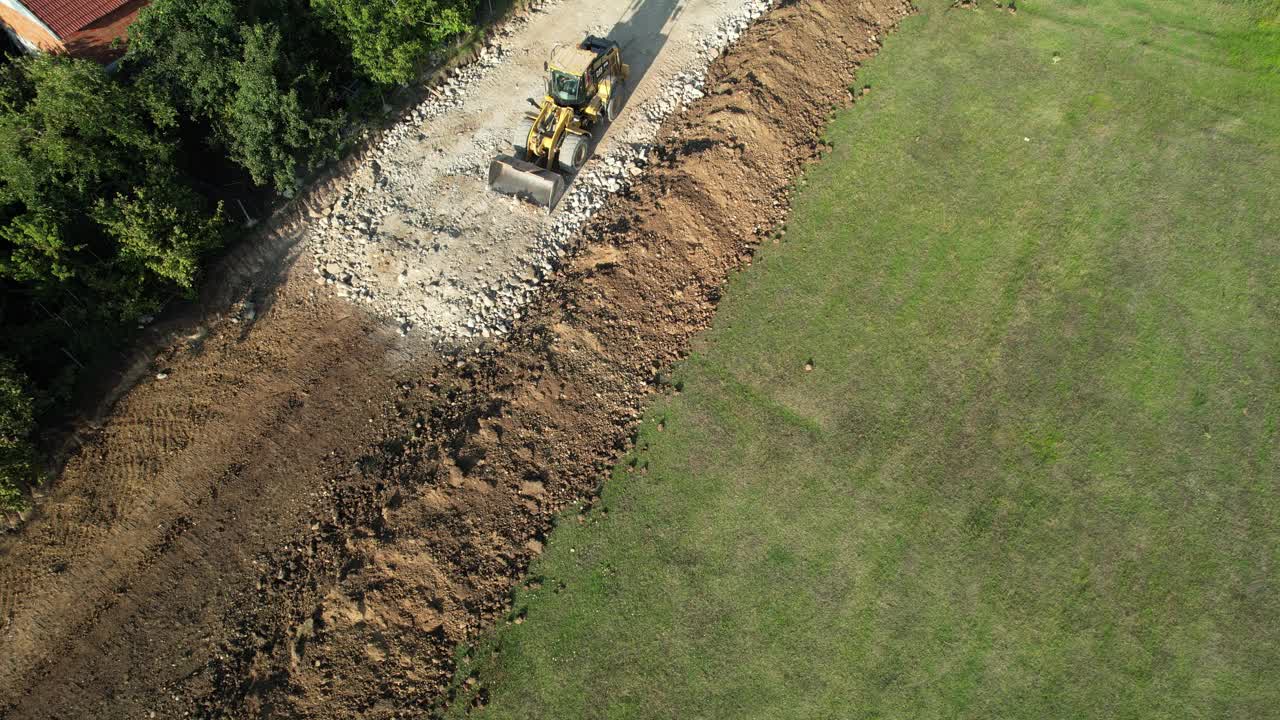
1033 469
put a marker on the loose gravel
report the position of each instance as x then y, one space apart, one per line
417 236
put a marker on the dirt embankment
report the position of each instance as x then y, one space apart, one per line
296 523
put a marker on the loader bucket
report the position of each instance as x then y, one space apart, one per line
513 176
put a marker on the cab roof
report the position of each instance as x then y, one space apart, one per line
571 59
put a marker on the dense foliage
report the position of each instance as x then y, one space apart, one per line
78 152
18 467
275 106
390 39
111 185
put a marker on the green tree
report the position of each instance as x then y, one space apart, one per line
269 128
67 133
74 144
36 250
271 99
67 129
391 38
187 50
18 465
161 231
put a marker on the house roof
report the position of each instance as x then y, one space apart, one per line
65 17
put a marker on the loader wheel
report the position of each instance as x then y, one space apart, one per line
614 108
520 136
573 152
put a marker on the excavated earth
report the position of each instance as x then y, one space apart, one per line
297 516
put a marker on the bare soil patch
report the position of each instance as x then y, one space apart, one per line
298 523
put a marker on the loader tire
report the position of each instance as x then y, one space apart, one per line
520 136
614 108
573 152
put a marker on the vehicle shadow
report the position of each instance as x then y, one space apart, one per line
642 32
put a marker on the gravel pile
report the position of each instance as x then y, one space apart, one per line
417 236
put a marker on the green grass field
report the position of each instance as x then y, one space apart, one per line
1033 472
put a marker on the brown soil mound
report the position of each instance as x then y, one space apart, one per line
219 550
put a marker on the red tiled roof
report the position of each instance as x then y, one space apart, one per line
65 17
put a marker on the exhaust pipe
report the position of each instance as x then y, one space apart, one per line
513 176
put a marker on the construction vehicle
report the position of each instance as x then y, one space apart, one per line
584 88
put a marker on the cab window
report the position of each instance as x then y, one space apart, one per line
567 89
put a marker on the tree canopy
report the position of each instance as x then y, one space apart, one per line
18 465
390 39
275 105
78 153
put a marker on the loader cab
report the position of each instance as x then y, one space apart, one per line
568 89
574 71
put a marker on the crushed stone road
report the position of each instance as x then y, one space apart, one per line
416 236
300 513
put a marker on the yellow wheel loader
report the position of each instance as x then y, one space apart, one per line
584 88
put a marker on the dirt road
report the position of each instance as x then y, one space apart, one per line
307 513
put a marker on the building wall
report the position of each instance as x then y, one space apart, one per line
26 28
